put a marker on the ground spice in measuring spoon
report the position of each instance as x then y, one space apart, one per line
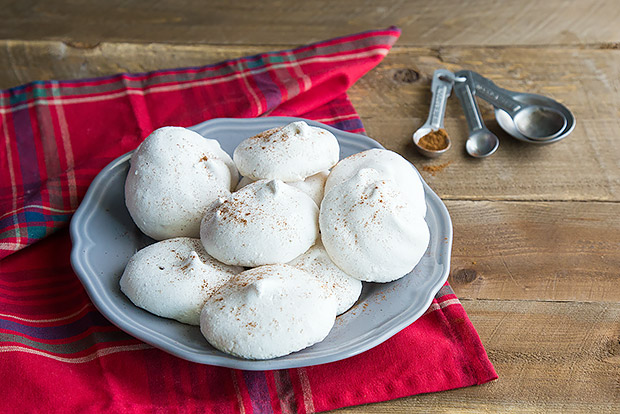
434 140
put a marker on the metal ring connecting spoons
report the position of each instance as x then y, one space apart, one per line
481 142
539 121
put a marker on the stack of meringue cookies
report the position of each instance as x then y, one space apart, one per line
256 263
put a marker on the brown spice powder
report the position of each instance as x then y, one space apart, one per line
266 134
434 140
434 169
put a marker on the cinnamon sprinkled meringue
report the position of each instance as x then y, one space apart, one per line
265 222
267 312
175 175
345 288
173 278
314 185
370 229
390 165
289 153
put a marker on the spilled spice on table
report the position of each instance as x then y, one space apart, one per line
434 169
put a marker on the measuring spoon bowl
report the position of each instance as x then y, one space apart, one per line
539 122
481 143
508 124
424 151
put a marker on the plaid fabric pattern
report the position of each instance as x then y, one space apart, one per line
58 353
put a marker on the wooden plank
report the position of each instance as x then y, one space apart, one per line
25 61
393 101
559 251
550 357
272 22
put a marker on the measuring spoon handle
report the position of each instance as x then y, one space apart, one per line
441 87
464 93
490 92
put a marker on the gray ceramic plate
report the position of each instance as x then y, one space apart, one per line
104 238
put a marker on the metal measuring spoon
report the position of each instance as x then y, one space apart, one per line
481 142
538 120
506 122
441 87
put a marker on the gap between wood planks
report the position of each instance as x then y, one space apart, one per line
89 45
465 300
86 45
533 200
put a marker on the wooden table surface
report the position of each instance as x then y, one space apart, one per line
536 256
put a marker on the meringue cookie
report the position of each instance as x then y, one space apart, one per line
175 174
370 229
316 261
267 312
391 165
289 153
265 222
243 182
313 185
173 278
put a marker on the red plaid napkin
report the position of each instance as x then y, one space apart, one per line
57 353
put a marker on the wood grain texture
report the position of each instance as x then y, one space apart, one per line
274 22
550 357
393 100
25 61
548 251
